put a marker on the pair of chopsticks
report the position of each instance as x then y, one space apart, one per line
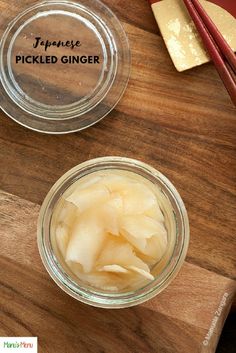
220 52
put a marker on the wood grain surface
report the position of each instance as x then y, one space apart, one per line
183 125
177 321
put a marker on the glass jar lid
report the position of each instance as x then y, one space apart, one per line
64 65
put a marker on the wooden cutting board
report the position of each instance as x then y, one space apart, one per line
186 317
183 125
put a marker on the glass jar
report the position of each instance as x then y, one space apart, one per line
164 271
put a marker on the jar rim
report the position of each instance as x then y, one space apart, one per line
95 297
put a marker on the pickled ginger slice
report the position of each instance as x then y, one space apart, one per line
116 183
142 226
83 183
153 247
110 213
62 238
138 198
65 213
113 268
156 247
116 202
137 243
100 280
116 252
86 241
143 273
89 197
155 213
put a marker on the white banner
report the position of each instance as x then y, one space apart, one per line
18 344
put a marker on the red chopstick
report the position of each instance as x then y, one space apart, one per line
218 49
219 39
